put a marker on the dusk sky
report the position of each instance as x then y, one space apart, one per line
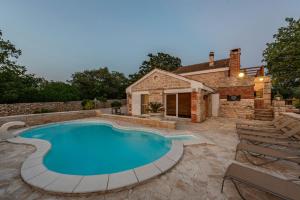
60 37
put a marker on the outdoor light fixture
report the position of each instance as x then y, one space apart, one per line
241 75
261 79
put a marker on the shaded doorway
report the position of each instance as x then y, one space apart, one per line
171 105
184 105
144 103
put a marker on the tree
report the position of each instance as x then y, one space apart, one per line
283 58
58 91
15 84
161 61
100 83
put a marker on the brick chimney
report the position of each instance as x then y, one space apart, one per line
211 58
235 62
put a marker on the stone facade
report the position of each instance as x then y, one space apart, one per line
246 92
158 81
237 109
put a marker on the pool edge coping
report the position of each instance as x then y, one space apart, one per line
36 174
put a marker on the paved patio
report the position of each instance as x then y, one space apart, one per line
197 176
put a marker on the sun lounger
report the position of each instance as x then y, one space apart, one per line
251 150
4 133
285 133
278 187
269 141
276 129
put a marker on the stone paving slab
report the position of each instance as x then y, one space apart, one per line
44 179
97 183
176 152
121 180
33 171
164 163
146 172
64 183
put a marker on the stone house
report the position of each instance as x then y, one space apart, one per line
214 88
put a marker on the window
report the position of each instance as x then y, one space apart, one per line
233 97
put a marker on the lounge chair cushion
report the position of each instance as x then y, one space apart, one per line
262 181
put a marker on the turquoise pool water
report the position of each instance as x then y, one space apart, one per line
89 148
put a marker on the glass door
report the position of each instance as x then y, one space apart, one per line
171 105
184 105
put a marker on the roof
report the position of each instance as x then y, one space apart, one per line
203 66
194 84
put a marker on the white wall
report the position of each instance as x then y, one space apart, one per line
215 101
136 103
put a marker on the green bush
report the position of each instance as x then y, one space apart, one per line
296 103
116 104
87 104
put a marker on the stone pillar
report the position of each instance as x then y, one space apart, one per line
195 106
267 92
278 107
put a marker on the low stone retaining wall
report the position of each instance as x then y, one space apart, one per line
37 119
237 109
143 121
30 108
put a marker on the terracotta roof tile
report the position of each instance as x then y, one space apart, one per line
203 66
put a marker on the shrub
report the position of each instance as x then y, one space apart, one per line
155 107
87 104
116 104
296 103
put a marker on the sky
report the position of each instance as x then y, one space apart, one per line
60 37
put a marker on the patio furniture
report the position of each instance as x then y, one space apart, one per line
277 128
251 150
116 111
269 141
290 132
4 129
285 189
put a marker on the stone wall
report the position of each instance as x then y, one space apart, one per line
156 96
246 92
160 81
30 108
237 109
36 119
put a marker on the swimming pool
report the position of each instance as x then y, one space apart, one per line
89 148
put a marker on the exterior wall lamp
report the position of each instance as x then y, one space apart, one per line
261 79
241 74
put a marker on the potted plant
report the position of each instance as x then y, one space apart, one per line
278 96
155 109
